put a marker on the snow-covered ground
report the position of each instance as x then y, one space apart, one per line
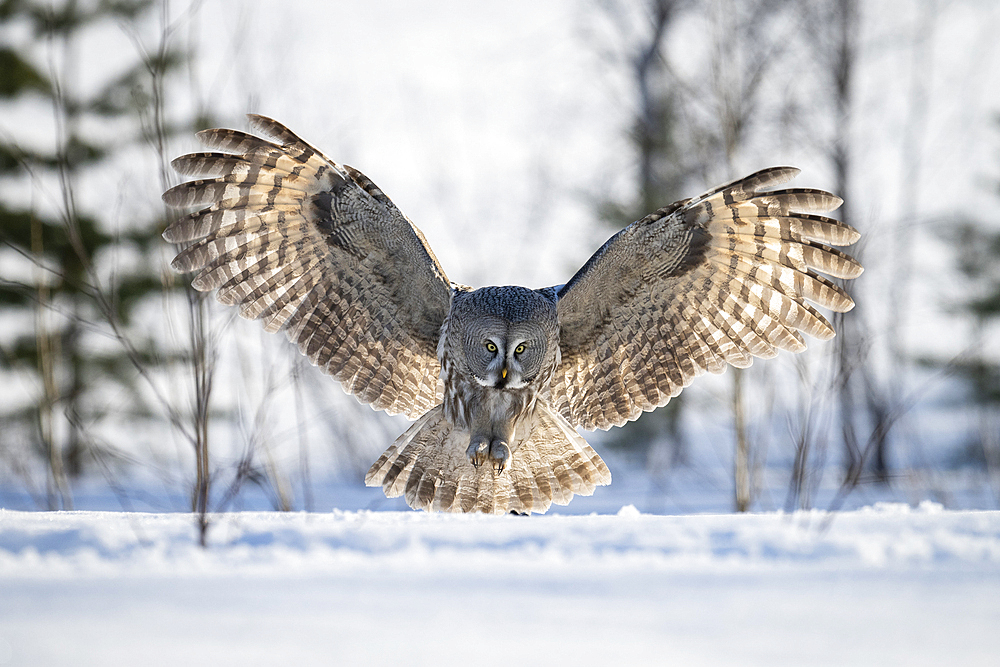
884 585
488 122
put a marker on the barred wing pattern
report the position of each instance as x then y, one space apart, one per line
315 249
718 279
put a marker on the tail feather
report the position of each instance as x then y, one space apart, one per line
428 466
445 497
541 481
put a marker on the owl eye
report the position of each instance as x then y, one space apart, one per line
519 349
491 346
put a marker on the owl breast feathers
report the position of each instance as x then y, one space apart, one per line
499 378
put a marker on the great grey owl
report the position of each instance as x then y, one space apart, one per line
498 378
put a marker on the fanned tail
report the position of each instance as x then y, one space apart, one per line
549 464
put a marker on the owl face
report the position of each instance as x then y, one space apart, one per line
506 357
507 335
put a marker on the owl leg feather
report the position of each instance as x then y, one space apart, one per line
481 449
477 451
499 455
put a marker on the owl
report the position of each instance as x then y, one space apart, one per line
498 379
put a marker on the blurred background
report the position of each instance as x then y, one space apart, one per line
518 136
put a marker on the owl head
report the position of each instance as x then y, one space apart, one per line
508 335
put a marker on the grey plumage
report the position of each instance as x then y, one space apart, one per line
499 378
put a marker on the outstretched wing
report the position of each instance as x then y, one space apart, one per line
317 250
717 279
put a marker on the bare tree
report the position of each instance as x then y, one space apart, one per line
746 48
865 413
663 166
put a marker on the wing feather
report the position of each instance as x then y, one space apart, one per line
317 250
695 286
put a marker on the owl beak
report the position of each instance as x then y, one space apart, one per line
503 374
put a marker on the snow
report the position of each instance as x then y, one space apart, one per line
883 585
450 127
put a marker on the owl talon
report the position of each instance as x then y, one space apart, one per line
499 454
477 453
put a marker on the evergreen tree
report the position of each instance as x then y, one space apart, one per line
74 292
978 250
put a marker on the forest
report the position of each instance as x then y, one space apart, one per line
518 147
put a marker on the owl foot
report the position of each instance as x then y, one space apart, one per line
497 452
499 455
478 452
